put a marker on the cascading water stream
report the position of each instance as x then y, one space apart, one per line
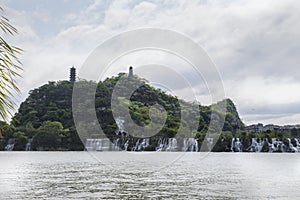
28 145
190 144
172 144
291 146
126 145
101 144
210 142
160 145
10 145
236 145
256 145
120 130
297 144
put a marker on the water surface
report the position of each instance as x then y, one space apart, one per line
77 175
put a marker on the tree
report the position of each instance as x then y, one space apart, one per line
21 141
9 67
48 136
51 127
6 130
294 132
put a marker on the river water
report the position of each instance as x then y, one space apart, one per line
121 175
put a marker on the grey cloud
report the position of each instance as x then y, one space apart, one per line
274 109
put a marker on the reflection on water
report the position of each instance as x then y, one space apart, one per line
76 175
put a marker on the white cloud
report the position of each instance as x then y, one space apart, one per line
255 44
257 91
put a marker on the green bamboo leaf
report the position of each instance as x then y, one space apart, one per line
9 67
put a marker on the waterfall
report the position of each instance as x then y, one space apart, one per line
172 144
141 145
276 145
210 142
10 145
232 145
256 145
145 142
185 144
297 144
120 123
272 146
126 145
116 145
195 146
236 145
136 147
102 144
160 145
291 146
283 147
28 145
190 144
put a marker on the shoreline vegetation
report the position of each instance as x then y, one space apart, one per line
44 122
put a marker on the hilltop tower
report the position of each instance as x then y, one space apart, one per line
130 74
72 74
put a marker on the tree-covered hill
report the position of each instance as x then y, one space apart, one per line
46 115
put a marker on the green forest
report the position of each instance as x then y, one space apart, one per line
46 116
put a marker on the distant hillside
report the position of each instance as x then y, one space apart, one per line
52 103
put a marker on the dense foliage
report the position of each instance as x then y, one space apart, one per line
46 115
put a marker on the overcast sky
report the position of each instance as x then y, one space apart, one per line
254 44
